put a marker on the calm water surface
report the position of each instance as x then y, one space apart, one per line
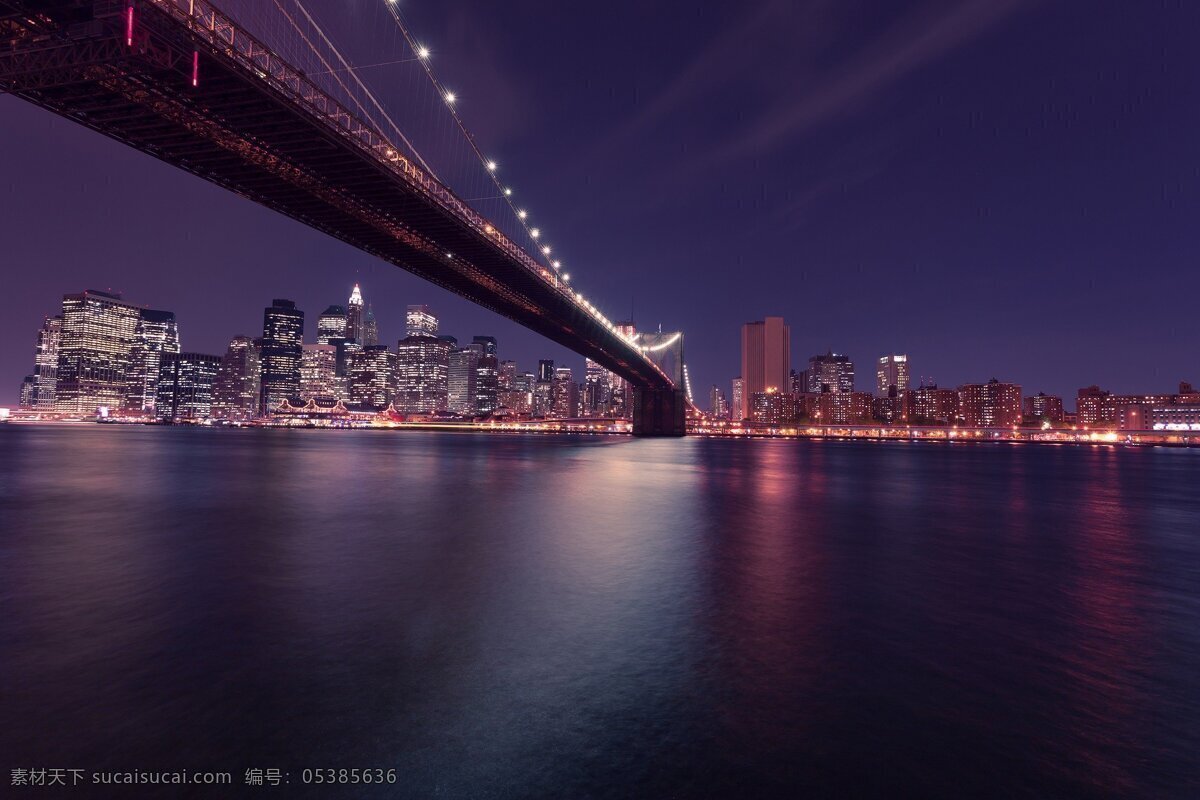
512 617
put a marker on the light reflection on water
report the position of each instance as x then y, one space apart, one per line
504 616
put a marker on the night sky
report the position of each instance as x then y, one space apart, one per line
999 188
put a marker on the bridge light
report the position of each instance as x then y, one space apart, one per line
522 214
566 277
422 52
450 98
557 264
535 233
546 250
491 165
507 192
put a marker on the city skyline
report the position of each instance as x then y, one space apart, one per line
926 282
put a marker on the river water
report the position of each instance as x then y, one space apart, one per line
535 616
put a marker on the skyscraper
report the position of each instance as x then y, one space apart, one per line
766 356
487 375
564 394
282 344
45 364
461 380
423 363
892 371
737 396
543 394
716 402
597 394
27 401
355 321
318 374
157 333
370 328
236 388
371 377
185 386
620 394
331 325
420 321
98 334
830 373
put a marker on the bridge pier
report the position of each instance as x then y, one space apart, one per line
659 412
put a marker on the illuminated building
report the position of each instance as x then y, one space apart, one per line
45 364
772 407
543 394
99 330
843 408
1176 417
487 375
766 356
989 405
1045 406
564 401
420 321
236 389
157 333
422 369
597 394
282 344
716 402
894 407
518 397
737 394
1097 407
830 373
318 374
464 362
891 371
27 399
934 406
356 327
185 386
620 395
331 325
371 377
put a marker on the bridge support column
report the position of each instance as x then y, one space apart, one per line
659 412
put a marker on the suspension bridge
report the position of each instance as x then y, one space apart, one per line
187 83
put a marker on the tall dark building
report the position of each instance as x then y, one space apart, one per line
185 386
830 373
27 400
370 329
543 389
45 364
236 389
331 325
371 377
282 346
461 378
157 333
487 375
98 334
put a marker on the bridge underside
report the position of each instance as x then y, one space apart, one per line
180 94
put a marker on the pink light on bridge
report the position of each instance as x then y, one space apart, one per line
195 68
129 26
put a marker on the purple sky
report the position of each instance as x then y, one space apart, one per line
1003 188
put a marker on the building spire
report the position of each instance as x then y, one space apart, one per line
356 296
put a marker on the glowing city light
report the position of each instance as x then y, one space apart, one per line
546 250
507 192
557 264
422 52
491 165
535 233
522 214
450 98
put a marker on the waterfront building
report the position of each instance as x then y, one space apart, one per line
895 407
185 386
487 375
766 356
1096 407
331 325
989 405
1172 417
282 345
318 374
356 324
45 364
844 408
27 399
934 406
716 402
564 402
831 372
737 405
891 372
543 394
772 407
1045 406
237 386
97 337
462 374
157 333
419 320
371 377
422 367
